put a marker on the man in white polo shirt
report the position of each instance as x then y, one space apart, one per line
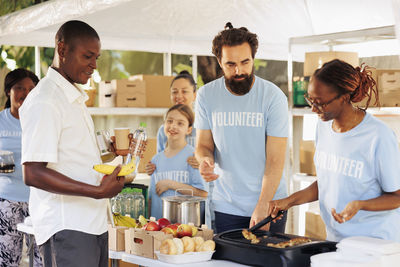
68 200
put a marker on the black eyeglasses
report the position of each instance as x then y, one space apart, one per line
319 106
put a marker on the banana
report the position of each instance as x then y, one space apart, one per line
126 221
108 169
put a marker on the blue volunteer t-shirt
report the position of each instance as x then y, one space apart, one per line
12 186
162 138
359 164
177 169
240 125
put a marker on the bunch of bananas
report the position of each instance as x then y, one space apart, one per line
120 220
108 169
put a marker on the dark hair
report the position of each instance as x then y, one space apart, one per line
14 77
184 110
187 76
345 79
232 37
73 30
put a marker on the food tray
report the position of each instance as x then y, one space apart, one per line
231 245
187 257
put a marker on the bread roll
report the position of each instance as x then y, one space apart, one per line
168 247
188 244
179 245
208 245
198 241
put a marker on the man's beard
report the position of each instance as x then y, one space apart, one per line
240 87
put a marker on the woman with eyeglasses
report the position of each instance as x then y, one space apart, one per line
357 158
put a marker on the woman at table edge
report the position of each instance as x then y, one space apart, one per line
357 158
14 194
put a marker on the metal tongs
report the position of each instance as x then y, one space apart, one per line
266 220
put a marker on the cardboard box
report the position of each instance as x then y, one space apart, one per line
151 150
315 60
92 97
307 150
315 226
388 80
388 85
157 89
116 238
107 94
144 243
129 93
390 99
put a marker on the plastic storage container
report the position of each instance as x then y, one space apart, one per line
300 86
143 189
129 202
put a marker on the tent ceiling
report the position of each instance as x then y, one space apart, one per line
188 26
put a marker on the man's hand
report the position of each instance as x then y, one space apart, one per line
259 214
132 144
119 152
348 212
162 186
193 162
150 168
111 184
206 169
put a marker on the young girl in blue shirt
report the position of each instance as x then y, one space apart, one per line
172 170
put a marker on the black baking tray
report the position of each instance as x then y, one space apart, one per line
231 245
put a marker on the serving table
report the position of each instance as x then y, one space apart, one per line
120 255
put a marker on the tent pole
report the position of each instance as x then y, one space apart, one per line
194 67
167 64
37 61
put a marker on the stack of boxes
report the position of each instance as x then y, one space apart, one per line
388 85
138 91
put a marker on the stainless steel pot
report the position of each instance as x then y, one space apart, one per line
182 208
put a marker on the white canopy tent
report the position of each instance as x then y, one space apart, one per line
188 26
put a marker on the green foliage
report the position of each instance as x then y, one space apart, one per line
122 64
180 67
259 63
24 56
9 6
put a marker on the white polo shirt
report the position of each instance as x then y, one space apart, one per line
57 128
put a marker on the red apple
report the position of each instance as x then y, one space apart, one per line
163 222
152 226
184 230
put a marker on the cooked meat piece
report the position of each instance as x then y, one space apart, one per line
290 243
299 240
250 236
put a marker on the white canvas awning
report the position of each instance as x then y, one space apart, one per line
188 26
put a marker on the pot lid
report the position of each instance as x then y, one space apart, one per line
183 198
